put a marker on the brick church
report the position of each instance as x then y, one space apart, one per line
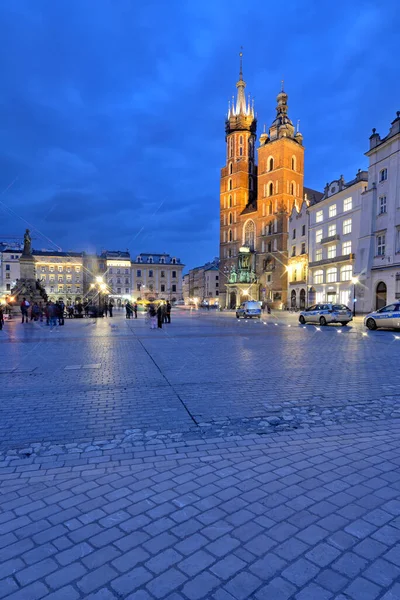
256 201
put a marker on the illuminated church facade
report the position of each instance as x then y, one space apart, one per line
256 200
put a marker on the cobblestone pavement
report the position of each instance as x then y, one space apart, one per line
213 459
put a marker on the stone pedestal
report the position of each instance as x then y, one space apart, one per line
27 285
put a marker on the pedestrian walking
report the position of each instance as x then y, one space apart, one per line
35 313
60 311
24 310
1 317
135 309
47 313
153 316
128 310
105 308
110 308
53 313
160 316
168 308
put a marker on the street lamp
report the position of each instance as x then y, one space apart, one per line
355 281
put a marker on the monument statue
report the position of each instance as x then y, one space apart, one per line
27 251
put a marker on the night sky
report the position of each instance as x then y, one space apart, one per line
112 111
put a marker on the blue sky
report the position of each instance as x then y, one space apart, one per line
112 112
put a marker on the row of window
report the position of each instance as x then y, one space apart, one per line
111 281
332 230
303 249
271 163
60 279
303 232
150 260
332 211
301 273
151 273
150 287
346 273
118 271
61 288
332 251
60 269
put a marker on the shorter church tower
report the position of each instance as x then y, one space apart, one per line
238 190
280 187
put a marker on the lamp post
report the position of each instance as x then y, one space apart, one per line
100 288
355 281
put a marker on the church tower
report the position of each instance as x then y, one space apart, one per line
280 187
238 190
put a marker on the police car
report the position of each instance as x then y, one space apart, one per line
326 313
388 316
248 310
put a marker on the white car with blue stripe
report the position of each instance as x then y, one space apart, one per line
388 316
325 313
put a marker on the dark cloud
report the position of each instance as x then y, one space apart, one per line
112 113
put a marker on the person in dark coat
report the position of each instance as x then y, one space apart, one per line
128 309
105 308
135 309
1 317
110 308
160 316
168 308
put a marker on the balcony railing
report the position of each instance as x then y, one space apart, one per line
329 261
330 239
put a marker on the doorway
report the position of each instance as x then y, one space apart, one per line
381 295
232 300
302 299
293 299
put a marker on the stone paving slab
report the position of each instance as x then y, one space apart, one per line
299 516
217 460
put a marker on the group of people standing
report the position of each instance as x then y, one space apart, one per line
159 315
131 309
53 312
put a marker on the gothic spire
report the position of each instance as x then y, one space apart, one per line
241 107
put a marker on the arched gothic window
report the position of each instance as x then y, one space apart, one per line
293 163
271 164
292 189
230 219
230 237
241 140
230 169
249 234
230 202
230 184
270 189
270 208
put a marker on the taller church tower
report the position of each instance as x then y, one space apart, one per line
238 190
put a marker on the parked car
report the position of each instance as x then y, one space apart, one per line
388 316
248 310
326 313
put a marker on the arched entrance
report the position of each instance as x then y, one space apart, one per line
232 300
311 295
381 295
302 299
293 299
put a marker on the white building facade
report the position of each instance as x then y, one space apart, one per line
378 261
117 276
334 230
9 270
157 276
298 256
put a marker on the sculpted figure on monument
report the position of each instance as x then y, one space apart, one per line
27 244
